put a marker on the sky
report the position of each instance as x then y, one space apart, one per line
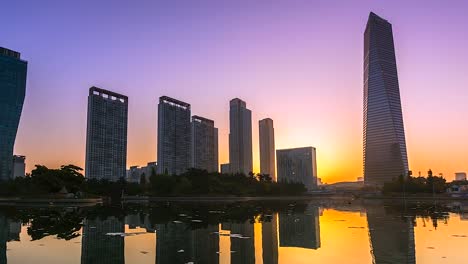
297 62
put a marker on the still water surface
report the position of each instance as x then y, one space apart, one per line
250 232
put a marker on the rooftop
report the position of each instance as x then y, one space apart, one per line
107 94
167 99
10 53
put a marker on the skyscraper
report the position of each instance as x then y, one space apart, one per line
106 139
384 147
267 147
13 72
298 165
204 144
240 137
174 136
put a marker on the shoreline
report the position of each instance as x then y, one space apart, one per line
50 201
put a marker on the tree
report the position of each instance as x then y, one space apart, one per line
143 179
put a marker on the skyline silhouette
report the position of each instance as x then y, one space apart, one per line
277 57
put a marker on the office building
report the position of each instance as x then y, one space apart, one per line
19 166
174 136
267 147
204 144
106 138
13 73
298 165
460 176
385 156
240 137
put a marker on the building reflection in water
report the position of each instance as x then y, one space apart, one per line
179 243
300 229
100 248
392 238
242 249
9 231
270 239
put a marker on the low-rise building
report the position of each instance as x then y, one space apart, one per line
19 166
460 176
134 173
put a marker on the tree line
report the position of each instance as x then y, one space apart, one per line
69 180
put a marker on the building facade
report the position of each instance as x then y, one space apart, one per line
460 176
240 137
204 146
384 142
106 138
19 166
135 173
174 136
298 165
267 147
225 168
13 73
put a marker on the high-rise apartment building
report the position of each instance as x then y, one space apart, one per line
384 147
240 137
204 144
106 139
298 165
13 73
267 147
174 136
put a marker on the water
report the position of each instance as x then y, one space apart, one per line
250 232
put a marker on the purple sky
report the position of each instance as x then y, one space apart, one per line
298 62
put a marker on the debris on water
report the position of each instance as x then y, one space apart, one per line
121 234
296 220
239 236
190 262
180 251
197 221
216 212
269 215
177 222
216 233
182 215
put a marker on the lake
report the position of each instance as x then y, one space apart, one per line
371 231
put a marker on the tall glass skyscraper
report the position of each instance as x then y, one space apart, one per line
174 136
13 89
106 139
240 137
384 147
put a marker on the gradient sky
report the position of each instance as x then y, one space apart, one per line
297 62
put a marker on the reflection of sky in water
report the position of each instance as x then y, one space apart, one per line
256 233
